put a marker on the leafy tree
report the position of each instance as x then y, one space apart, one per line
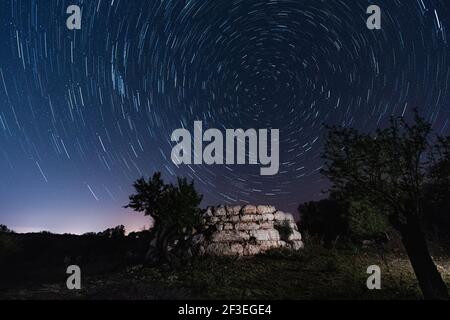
391 170
175 213
342 218
4 229
114 233
324 219
437 192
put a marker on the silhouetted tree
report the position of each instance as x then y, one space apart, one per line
5 229
323 219
117 232
342 218
438 190
175 213
390 170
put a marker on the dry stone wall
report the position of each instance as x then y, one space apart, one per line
246 230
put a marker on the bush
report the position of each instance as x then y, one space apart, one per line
324 219
331 219
365 222
9 246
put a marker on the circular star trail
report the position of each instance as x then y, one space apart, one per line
84 113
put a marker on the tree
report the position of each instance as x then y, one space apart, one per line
390 169
5 229
438 191
175 213
340 217
324 219
117 232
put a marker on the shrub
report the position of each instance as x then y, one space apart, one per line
365 222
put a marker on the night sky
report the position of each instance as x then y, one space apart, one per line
84 113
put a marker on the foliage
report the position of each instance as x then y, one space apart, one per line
365 222
175 213
390 170
113 233
346 219
284 229
324 219
4 229
9 246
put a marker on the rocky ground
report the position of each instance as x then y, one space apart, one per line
312 273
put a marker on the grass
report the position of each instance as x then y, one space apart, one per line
311 274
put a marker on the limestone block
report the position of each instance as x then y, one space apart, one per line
214 220
225 249
295 235
234 219
220 211
245 226
233 210
228 226
251 217
208 212
248 209
265 209
265 235
266 225
289 217
267 245
268 217
251 250
230 236
280 216
297 245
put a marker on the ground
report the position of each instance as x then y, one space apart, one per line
314 273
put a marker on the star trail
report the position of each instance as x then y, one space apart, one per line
84 113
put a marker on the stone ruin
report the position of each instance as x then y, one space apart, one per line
246 231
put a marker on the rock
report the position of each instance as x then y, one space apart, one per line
233 210
251 217
265 235
248 209
244 231
279 216
266 225
297 245
265 209
230 236
289 217
224 249
228 226
220 211
245 226
295 235
252 250
268 217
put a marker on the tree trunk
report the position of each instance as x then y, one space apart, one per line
430 280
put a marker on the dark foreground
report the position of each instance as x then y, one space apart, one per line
314 273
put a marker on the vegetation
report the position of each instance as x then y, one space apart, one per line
4 229
313 273
43 257
175 213
392 170
333 219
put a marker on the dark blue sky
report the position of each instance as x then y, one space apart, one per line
84 113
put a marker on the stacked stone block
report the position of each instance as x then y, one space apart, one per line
246 230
